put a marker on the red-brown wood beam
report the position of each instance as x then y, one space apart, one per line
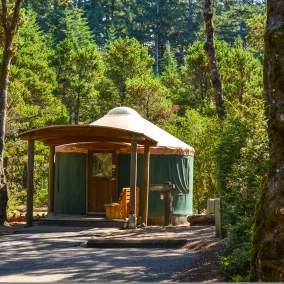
51 168
145 193
30 183
133 184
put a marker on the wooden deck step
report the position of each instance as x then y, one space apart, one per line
95 222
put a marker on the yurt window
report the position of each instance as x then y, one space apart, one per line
102 164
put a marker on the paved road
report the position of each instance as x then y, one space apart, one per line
32 256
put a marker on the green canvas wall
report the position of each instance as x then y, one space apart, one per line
70 183
163 168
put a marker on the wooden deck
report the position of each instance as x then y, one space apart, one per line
82 221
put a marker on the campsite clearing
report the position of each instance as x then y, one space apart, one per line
45 253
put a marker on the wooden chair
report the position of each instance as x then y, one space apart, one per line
121 209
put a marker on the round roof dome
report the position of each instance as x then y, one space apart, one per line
123 110
128 119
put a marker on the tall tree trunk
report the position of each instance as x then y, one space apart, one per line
190 11
10 25
243 33
112 9
268 241
190 21
157 39
77 109
211 54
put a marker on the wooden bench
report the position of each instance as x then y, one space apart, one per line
121 209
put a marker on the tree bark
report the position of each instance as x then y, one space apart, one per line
211 54
190 21
112 9
10 26
3 203
77 109
268 239
157 39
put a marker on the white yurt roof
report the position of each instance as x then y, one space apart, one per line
127 118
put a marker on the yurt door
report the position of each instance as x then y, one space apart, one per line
102 181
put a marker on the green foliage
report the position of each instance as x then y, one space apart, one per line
255 37
170 75
231 23
31 103
149 97
178 22
241 76
195 75
242 156
242 178
74 27
33 80
126 59
80 69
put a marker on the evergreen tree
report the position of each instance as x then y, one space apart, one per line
49 14
170 76
126 59
31 104
255 37
149 97
240 72
79 68
33 80
232 23
196 80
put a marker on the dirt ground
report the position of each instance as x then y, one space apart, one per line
205 269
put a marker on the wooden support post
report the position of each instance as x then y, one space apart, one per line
218 222
145 193
168 208
133 183
30 183
51 167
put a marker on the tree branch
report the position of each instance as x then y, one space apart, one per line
16 15
5 16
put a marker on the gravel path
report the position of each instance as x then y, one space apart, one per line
54 254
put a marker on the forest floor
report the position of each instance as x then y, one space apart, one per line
45 253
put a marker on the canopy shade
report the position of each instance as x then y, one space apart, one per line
65 134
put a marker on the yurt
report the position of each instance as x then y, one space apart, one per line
114 164
89 175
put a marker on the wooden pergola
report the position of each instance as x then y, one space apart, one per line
65 134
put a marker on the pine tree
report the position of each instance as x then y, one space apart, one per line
79 67
149 97
31 104
170 76
125 59
33 81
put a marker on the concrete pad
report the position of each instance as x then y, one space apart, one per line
6 230
144 243
34 255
